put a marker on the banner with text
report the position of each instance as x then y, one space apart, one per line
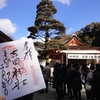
20 72
84 56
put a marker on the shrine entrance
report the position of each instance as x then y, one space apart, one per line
81 56
80 52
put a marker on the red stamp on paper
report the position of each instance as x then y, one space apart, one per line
34 75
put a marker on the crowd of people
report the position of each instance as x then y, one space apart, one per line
71 77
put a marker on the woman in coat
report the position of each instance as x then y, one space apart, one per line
76 83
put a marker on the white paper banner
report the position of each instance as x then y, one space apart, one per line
83 56
20 72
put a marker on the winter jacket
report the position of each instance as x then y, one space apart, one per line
75 79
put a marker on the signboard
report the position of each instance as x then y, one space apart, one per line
20 72
83 56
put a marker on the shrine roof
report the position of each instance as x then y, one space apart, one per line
75 44
74 41
4 37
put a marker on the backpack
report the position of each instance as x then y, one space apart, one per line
89 76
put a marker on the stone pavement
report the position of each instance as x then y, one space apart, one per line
51 95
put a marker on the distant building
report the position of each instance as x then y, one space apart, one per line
80 52
4 37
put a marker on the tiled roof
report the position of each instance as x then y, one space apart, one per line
4 37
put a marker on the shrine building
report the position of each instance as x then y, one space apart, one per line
80 52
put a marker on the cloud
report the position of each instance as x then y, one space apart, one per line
69 30
67 2
2 4
7 27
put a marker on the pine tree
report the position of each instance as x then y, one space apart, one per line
45 25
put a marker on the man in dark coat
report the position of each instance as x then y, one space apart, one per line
58 74
75 81
95 83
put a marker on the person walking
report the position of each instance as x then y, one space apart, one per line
51 74
59 80
46 75
88 80
68 80
95 83
76 83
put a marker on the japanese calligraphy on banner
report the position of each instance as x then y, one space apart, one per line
20 72
83 56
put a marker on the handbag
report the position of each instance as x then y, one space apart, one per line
87 87
82 79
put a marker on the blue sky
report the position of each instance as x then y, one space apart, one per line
17 15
